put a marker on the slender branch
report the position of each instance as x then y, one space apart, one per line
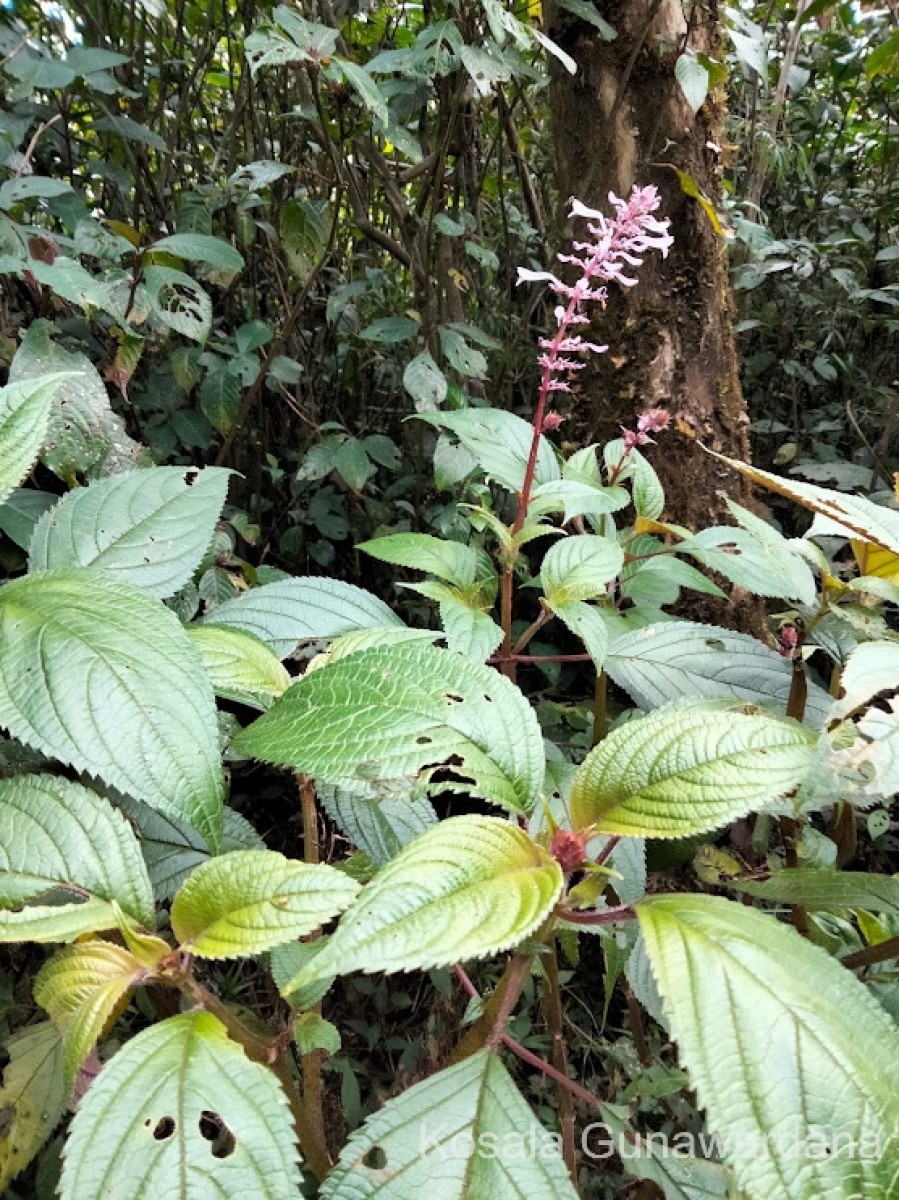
607 916
552 1011
881 952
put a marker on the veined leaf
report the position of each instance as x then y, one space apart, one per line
469 630
240 666
579 567
58 836
684 769
467 888
452 561
686 660
379 825
248 901
114 688
285 613
577 498
21 511
150 528
585 622
201 248
32 1098
24 414
806 1107
181 1112
456 1136
500 442
826 889
400 712
83 988
871 668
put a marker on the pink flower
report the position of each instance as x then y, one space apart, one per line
654 420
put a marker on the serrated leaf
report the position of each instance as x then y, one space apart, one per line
577 498
579 567
817 1057
240 667
380 825
83 433
21 511
313 1032
827 890
285 613
149 528
686 660
585 622
459 1135
871 668
500 443
147 1125
32 1098
452 561
202 248
24 416
83 987
243 903
114 688
467 888
399 712
469 630
687 768
61 837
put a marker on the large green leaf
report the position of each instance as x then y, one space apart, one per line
149 528
251 900
403 711
464 1134
467 888
380 825
468 629
24 414
97 675
792 1058
683 659
452 561
818 889
83 433
871 668
181 1112
240 667
285 613
579 567
500 442
32 1098
201 248
82 988
684 769
59 837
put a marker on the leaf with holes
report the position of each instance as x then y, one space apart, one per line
24 415
32 1098
181 1112
688 768
467 888
149 528
179 302
403 712
285 613
465 1133
60 838
249 901
806 1105
99 676
579 567
84 988
240 667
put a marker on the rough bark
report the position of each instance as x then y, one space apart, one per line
621 120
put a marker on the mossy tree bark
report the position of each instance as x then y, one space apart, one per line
621 120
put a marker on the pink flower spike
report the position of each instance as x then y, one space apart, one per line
654 420
551 421
526 276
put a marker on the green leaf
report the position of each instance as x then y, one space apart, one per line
815 1058
82 988
585 622
587 12
21 511
380 825
60 837
469 630
285 613
399 712
579 567
452 561
243 903
687 768
390 331
577 498
467 888
693 79
179 302
240 667
827 890
463 357
685 660
26 187
83 433
871 668
313 1032
462 1134
485 69
114 688
200 247
24 416
149 528
500 443
362 84
32 1098
181 1112
425 382
884 59
220 398
353 464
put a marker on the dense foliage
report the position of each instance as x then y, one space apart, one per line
504 873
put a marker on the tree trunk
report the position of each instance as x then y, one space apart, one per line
621 120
